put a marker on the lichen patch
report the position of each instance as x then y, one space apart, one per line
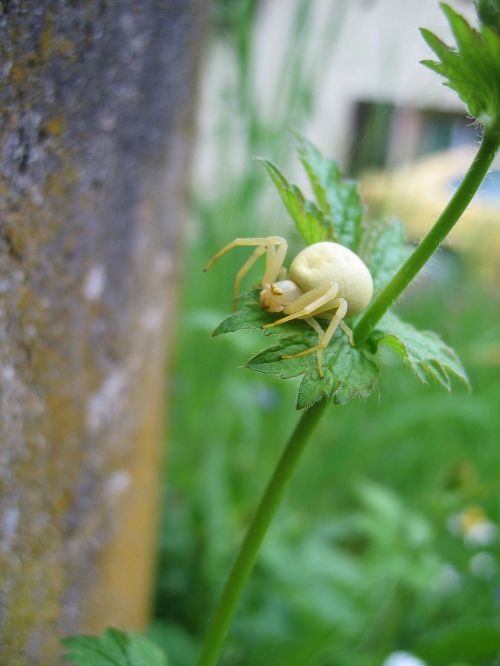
94 283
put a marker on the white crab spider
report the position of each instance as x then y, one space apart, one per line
324 279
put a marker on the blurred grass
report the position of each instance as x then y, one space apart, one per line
365 557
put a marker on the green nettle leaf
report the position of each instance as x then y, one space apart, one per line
248 317
113 648
384 250
489 13
424 351
349 372
473 68
308 218
338 198
338 212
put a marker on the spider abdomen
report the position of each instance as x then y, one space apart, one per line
326 263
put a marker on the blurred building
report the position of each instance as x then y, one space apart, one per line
375 104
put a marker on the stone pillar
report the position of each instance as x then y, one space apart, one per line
96 101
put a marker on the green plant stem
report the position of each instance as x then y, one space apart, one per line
249 549
430 243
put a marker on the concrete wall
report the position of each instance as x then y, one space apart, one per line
96 103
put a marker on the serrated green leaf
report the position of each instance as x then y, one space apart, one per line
248 317
472 69
349 372
113 648
384 250
308 218
489 13
338 198
423 351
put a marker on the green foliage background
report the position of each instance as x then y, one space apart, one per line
365 557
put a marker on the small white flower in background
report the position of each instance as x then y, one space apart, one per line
477 530
403 659
483 565
473 525
481 534
448 579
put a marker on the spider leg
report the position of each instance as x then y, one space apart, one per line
258 252
274 247
332 327
276 254
240 242
348 332
319 354
313 323
304 299
308 304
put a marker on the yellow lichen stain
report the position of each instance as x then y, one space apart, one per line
31 226
26 66
121 595
55 125
66 47
58 184
55 470
19 72
49 468
47 474
46 42
50 43
32 605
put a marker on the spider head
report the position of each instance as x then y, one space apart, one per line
276 296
